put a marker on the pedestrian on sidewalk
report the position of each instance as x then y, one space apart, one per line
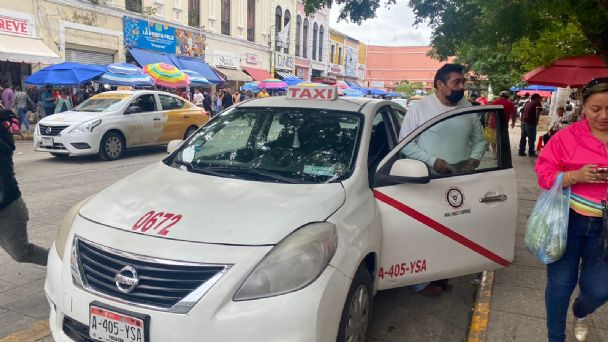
8 96
13 212
579 151
21 102
529 121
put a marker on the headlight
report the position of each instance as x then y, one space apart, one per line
86 127
293 264
37 129
66 225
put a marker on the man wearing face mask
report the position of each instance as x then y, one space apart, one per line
449 95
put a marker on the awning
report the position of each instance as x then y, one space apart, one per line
258 74
285 75
26 50
195 64
234 75
145 57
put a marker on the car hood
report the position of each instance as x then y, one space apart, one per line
213 209
71 117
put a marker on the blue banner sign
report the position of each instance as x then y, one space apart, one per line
148 35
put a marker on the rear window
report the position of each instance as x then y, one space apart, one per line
170 102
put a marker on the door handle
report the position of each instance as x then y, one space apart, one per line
156 119
490 199
186 116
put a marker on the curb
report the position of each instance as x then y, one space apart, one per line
478 329
34 333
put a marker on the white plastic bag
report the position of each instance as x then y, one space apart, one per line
547 228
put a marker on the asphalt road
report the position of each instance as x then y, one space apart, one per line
50 186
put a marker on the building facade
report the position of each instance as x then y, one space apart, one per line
312 42
347 57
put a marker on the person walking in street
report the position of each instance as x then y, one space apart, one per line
48 101
263 93
529 121
510 115
227 99
218 102
13 211
579 153
207 103
21 102
198 98
8 97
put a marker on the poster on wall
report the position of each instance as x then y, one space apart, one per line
190 43
147 35
350 63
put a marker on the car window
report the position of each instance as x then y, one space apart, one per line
170 102
143 103
399 115
300 145
458 145
102 103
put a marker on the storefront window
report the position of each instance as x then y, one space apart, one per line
315 32
226 17
321 34
287 20
251 20
305 39
278 19
298 34
194 13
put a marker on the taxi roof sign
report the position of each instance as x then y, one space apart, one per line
320 92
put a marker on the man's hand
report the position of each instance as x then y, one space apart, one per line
441 166
470 165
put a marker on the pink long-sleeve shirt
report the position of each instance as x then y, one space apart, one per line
570 149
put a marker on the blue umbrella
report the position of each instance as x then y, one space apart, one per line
378 92
350 92
196 79
534 87
124 68
291 81
65 74
253 86
122 74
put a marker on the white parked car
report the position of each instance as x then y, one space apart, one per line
279 221
108 123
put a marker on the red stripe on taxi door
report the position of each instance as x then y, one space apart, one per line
438 227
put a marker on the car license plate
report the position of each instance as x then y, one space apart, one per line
110 325
47 142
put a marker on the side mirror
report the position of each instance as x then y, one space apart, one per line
409 171
133 109
173 145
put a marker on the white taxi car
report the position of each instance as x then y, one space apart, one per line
110 122
278 221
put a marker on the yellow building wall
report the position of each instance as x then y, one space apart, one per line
362 53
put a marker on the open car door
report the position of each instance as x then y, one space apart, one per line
447 196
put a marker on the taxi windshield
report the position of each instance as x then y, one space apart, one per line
102 103
288 145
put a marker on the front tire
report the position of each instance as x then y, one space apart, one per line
112 146
189 131
357 311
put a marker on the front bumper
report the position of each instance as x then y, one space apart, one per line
310 314
70 144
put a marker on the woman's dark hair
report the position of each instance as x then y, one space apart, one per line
598 85
443 74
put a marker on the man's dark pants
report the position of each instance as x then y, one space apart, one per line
527 131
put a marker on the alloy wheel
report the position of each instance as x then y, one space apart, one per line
358 316
113 147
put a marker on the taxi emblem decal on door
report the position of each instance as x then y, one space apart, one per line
440 228
455 197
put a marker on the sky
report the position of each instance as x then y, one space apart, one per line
392 26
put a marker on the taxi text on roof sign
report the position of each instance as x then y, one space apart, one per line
323 93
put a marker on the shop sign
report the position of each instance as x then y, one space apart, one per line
226 60
336 69
14 25
303 62
361 71
377 84
284 61
350 63
251 58
190 43
147 35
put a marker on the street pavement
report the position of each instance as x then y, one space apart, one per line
51 186
518 299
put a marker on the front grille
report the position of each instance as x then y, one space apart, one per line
76 330
55 130
56 146
162 283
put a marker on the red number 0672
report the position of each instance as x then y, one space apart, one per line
159 222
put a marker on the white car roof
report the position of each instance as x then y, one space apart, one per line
349 104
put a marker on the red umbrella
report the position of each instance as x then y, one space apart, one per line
568 72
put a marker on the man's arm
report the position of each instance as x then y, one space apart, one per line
478 141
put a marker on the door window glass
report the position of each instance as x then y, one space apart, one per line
170 102
144 103
399 115
459 145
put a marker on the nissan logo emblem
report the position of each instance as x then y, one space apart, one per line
48 130
126 279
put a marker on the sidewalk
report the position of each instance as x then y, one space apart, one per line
518 308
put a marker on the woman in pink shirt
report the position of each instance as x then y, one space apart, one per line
580 152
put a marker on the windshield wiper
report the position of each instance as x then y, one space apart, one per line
273 176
